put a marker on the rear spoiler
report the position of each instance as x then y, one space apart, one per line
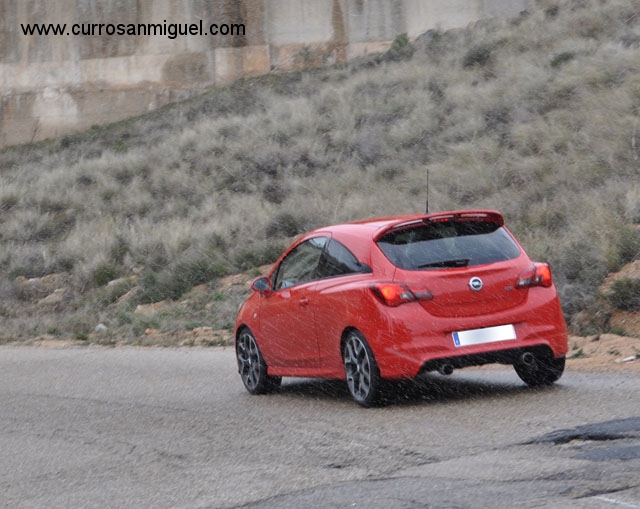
489 216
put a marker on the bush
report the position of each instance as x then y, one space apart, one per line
401 48
628 245
112 292
261 254
275 192
53 227
285 224
478 56
562 58
625 294
197 271
104 273
172 283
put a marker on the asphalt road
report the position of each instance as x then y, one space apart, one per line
128 427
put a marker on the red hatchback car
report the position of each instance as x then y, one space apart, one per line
391 298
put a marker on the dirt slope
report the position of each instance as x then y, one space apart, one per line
604 352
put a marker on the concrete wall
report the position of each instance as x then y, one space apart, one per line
51 85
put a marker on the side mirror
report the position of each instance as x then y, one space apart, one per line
262 284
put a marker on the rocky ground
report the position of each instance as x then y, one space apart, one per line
604 352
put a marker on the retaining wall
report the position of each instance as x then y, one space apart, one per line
54 84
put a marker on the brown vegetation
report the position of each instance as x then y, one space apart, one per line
537 116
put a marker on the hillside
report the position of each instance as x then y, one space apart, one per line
537 116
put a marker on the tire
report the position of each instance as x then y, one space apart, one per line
252 367
543 371
361 369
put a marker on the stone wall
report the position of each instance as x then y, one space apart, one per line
54 84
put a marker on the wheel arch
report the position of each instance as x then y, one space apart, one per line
345 333
239 330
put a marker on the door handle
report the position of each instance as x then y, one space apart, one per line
304 301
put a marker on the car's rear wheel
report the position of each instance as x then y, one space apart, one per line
361 369
539 370
252 367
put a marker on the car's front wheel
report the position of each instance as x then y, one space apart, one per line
252 367
361 369
539 370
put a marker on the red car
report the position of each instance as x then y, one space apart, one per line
391 298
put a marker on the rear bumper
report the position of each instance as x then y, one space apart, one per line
507 356
415 341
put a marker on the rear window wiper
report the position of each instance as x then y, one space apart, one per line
458 262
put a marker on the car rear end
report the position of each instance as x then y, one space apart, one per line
463 292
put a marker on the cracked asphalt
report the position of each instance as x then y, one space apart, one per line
135 427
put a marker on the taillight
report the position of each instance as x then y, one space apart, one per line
538 274
395 294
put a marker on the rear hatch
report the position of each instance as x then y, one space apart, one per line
469 263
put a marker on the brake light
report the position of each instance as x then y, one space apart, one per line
538 274
394 294
474 215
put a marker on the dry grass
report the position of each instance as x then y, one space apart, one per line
538 116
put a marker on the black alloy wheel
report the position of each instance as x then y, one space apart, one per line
361 369
252 367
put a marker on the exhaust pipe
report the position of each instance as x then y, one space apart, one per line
528 360
445 369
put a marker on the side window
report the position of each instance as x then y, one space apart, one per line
337 260
300 265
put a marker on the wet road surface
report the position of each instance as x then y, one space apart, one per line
125 427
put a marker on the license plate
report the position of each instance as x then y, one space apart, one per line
486 335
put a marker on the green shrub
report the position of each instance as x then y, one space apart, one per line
119 249
552 11
200 270
562 58
104 273
31 265
285 224
478 56
112 292
628 245
120 145
275 192
592 320
172 283
143 322
401 48
124 314
218 297
625 294
260 254
154 288
53 227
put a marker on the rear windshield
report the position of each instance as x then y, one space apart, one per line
448 244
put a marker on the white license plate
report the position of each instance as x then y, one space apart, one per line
486 335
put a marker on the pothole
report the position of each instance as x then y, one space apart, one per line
617 429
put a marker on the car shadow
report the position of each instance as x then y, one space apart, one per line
429 388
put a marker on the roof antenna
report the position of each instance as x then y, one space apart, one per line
427 211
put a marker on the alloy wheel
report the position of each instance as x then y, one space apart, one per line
249 361
361 370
